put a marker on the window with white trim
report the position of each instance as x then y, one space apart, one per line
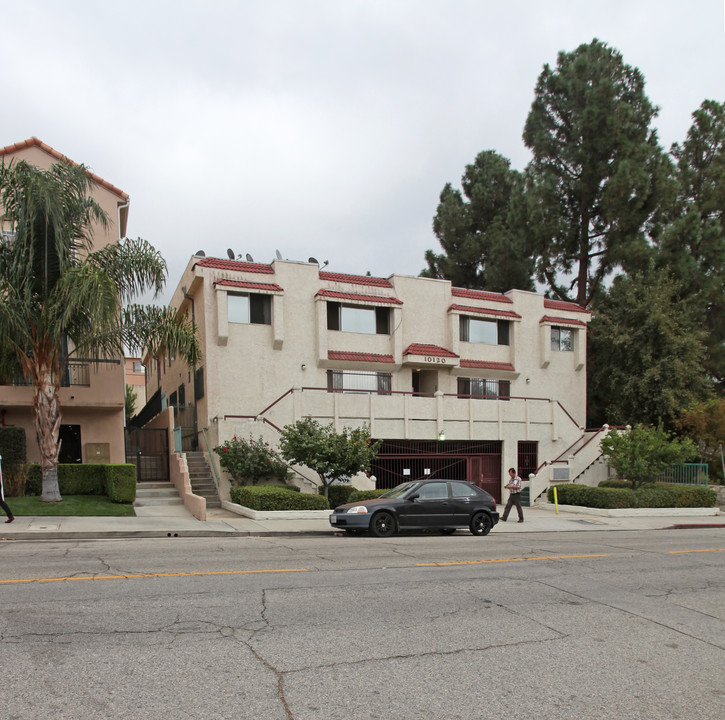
489 332
562 339
350 381
249 308
484 388
358 318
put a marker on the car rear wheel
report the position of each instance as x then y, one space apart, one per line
382 525
481 524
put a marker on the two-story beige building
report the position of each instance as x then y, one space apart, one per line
92 395
457 383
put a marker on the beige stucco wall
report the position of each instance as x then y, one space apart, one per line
261 377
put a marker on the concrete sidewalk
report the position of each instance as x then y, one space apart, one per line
176 521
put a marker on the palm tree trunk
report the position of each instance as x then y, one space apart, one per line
47 429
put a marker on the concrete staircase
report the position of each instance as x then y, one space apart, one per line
156 493
200 477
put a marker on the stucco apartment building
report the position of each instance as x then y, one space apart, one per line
92 396
457 383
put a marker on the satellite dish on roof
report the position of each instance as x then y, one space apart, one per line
199 253
278 254
313 260
249 258
230 253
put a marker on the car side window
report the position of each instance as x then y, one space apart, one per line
433 491
462 490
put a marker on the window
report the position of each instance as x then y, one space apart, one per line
527 458
358 318
463 490
349 381
182 395
562 339
138 367
199 383
433 491
173 399
247 308
490 332
482 388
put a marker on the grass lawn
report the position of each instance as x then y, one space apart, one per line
80 505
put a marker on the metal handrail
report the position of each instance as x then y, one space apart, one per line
211 459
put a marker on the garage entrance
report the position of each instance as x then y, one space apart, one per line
401 460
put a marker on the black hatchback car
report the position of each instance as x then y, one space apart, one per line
420 505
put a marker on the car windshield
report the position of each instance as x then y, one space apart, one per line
400 490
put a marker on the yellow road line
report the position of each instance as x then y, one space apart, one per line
151 575
506 560
681 552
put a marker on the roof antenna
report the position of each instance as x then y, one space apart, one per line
230 253
278 254
249 258
313 260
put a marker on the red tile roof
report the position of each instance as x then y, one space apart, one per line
355 279
484 311
33 141
561 305
561 321
423 349
235 265
487 365
359 356
480 295
379 299
269 287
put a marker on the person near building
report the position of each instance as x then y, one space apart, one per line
3 504
514 488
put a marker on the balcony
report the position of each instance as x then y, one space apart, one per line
77 374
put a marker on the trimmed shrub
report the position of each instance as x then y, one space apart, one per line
117 482
660 495
120 482
12 452
271 497
359 495
620 484
250 461
337 494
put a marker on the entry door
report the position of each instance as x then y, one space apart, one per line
485 471
70 444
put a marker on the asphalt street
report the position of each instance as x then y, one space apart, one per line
559 625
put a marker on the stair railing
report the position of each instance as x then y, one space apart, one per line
211 460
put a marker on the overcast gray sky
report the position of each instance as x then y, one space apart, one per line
317 127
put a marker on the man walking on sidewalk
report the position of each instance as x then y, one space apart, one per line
514 488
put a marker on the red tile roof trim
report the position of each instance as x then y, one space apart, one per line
434 350
484 311
487 365
359 356
235 265
33 141
379 299
561 321
480 295
355 279
269 287
562 305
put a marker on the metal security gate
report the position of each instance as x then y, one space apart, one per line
148 450
476 462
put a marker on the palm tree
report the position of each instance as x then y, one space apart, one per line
59 298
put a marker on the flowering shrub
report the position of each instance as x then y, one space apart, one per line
249 461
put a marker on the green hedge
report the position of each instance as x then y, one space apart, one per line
365 495
621 484
659 495
337 494
12 452
117 482
275 497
